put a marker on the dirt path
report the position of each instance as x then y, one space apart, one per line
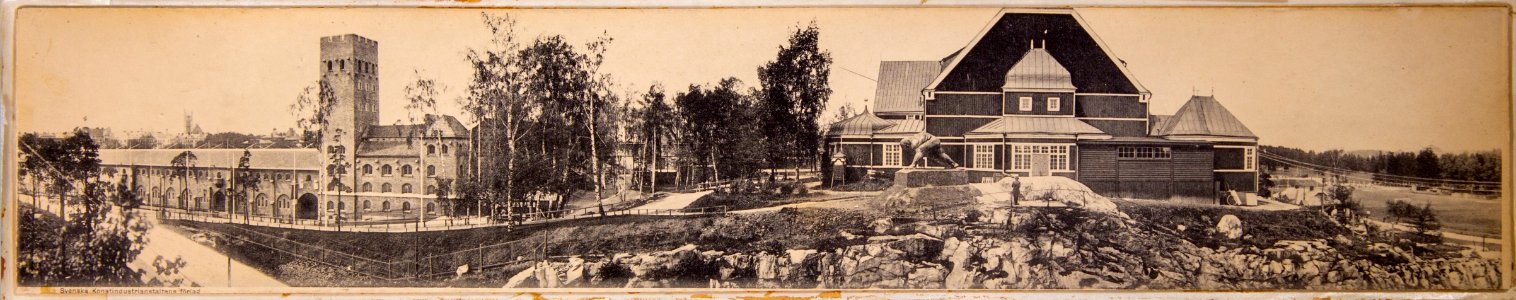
674 201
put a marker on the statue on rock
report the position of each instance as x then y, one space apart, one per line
926 145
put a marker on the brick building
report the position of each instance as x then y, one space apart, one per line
393 171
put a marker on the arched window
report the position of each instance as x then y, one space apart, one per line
386 170
368 169
405 188
385 206
365 205
431 189
431 170
384 188
430 149
405 170
368 187
341 206
330 205
405 206
444 149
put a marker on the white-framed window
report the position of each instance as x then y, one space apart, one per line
1055 104
892 155
1023 154
1144 152
1025 104
1250 158
984 156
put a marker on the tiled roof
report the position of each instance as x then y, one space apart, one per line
448 125
1041 125
864 123
900 84
280 159
389 148
1204 116
1038 70
906 126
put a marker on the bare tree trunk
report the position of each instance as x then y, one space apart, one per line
595 159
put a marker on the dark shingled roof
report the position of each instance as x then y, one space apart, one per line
1204 116
900 84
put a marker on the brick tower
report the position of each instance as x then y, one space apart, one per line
350 67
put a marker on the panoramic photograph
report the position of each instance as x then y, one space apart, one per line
1194 149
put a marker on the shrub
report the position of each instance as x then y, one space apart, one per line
972 216
800 189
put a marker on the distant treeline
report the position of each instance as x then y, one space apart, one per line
1427 163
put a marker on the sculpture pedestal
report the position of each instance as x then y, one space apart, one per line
912 178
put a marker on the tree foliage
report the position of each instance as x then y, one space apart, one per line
714 138
95 242
794 91
542 109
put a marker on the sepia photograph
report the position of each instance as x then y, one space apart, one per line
314 150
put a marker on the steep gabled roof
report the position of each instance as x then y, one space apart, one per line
900 85
1204 116
982 63
861 124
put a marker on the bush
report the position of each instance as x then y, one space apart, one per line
800 189
972 216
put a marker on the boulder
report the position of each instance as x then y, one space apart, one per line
1230 226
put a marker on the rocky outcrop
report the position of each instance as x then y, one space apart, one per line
1057 248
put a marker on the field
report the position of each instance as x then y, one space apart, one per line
1477 217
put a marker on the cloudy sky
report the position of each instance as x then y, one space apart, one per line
1391 79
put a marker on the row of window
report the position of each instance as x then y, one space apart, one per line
1144 152
405 170
1023 156
197 174
383 206
357 65
404 188
1053 103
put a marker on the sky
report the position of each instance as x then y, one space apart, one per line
1366 78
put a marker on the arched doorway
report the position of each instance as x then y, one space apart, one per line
218 201
281 205
308 207
184 198
261 206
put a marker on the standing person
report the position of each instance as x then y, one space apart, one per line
1015 190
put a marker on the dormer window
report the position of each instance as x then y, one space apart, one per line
1025 104
1054 104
